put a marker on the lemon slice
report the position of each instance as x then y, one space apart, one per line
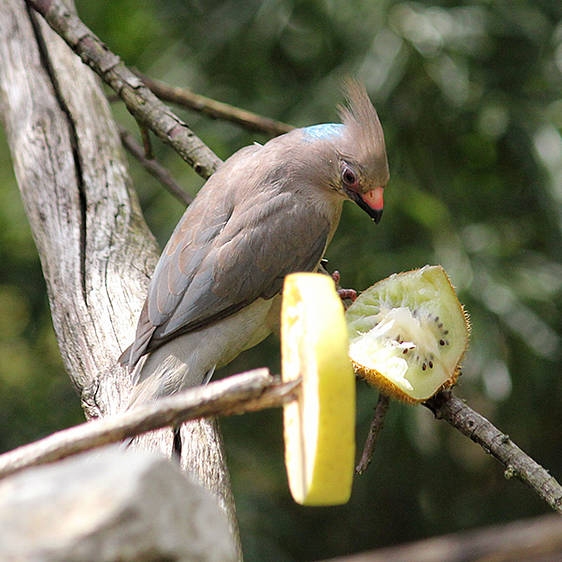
319 426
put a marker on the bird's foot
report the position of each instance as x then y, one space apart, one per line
347 294
344 294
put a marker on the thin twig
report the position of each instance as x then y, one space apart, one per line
238 394
147 145
213 108
140 101
153 167
517 463
376 427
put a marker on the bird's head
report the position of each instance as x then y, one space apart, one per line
353 152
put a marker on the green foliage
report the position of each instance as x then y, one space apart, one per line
469 96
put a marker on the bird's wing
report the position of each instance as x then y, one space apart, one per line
222 256
263 239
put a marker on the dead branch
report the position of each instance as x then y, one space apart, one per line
184 97
454 411
246 392
517 463
76 230
153 167
140 101
526 540
96 251
374 431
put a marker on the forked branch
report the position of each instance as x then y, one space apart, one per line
153 167
156 116
140 101
215 109
257 390
517 463
454 411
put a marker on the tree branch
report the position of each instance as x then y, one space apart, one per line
518 464
91 238
215 109
246 392
374 431
97 254
140 101
527 540
153 167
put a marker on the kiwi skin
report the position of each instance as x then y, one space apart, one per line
387 387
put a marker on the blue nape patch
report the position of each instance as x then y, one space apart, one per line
324 131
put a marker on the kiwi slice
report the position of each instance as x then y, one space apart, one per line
408 334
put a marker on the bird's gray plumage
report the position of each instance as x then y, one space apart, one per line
267 211
223 253
363 139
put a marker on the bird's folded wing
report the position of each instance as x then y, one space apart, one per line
222 258
262 241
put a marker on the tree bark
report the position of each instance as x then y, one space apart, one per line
96 251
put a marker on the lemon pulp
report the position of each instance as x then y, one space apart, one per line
319 427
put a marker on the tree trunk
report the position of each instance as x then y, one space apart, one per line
96 251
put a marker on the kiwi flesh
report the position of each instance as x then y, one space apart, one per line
408 334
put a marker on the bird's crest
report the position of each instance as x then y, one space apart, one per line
363 130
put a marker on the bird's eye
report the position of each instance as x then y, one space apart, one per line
349 177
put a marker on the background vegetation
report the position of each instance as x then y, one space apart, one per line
469 96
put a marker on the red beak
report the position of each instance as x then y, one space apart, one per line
374 201
371 202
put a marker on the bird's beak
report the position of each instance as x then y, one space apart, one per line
371 202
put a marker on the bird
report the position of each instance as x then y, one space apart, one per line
267 211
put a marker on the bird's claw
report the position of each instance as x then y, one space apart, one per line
350 294
344 294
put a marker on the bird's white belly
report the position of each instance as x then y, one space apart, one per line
184 361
